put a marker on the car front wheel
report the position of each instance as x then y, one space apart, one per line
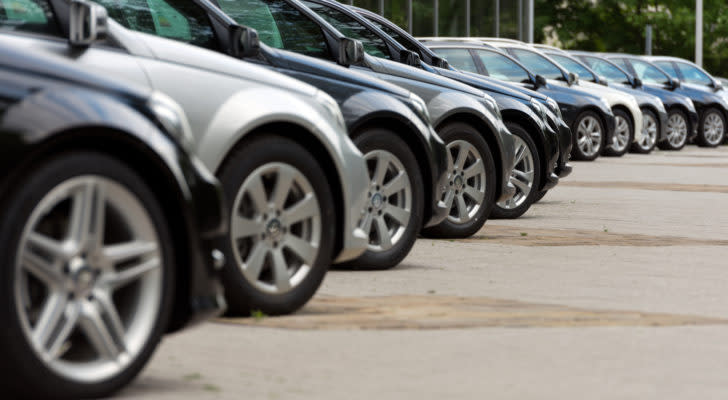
677 131
589 137
712 128
650 133
623 134
525 176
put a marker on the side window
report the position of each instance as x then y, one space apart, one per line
649 73
694 75
501 67
538 64
172 19
458 58
373 44
668 67
279 25
28 16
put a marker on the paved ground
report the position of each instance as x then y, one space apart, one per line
614 286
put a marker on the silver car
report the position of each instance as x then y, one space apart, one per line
294 181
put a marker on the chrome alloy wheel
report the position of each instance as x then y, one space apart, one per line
467 182
589 136
677 130
713 129
275 228
649 132
88 281
389 209
521 176
620 141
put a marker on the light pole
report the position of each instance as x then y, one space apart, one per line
699 32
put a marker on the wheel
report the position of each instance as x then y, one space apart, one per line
471 194
393 216
677 131
589 138
623 134
650 130
87 278
712 128
540 196
525 176
282 226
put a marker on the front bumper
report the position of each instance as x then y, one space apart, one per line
508 160
439 159
355 182
694 122
610 128
663 126
563 169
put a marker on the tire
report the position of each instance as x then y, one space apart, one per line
589 127
623 135
388 249
38 212
650 133
677 131
459 137
540 195
279 246
527 166
712 129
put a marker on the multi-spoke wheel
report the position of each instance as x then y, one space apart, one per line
589 136
88 276
650 133
677 131
470 193
712 128
393 214
525 176
282 226
623 134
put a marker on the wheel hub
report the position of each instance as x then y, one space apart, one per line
274 229
377 201
81 276
459 183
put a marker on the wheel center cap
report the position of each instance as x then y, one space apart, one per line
377 201
459 182
82 276
274 229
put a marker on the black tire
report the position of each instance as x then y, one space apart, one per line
376 139
540 196
608 150
636 147
702 138
666 144
447 228
242 296
24 375
500 212
576 152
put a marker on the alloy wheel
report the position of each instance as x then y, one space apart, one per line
620 141
88 281
589 136
521 176
275 228
677 130
713 129
649 132
467 182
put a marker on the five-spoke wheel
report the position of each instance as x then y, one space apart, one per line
677 131
589 137
650 133
525 176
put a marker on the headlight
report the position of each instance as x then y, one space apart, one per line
172 118
332 108
690 104
554 106
492 105
540 108
605 103
660 106
421 106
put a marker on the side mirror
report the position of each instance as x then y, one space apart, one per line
637 83
603 81
244 42
717 85
540 81
88 23
409 57
674 83
572 79
350 52
440 62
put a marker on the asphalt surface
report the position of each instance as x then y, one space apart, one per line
614 286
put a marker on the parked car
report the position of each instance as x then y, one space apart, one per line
675 104
590 117
537 147
295 184
108 224
483 153
712 130
654 114
655 78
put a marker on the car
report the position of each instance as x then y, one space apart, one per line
109 225
590 117
294 182
675 104
654 121
537 147
685 127
483 150
713 117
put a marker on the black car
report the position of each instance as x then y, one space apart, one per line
676 105
465 118
107 226
580 109
537 144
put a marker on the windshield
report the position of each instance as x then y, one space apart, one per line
396 36
573 66
607 70
502 68
538 64
649 73
458 58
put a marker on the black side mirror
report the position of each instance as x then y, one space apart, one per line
351 52
572 79
244 42
540 81
637 83
87 22
409 57
440 62
674 83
